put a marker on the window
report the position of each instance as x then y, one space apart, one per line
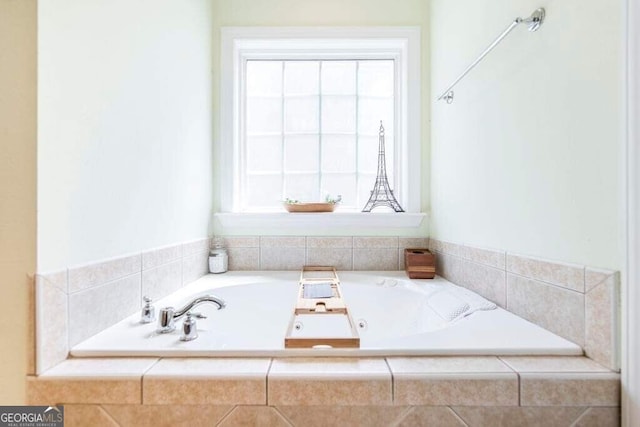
301 109
311 130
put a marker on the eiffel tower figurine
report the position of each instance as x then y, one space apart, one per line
382 194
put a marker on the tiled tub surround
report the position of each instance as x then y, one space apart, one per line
579 303
253 253
392 391
549 391
76 303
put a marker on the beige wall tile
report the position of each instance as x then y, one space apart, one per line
329 381
96 274
87 415
518 417
449 248
52 310
58 279
442 365
95 309
413 242
375 242
329 242
282 242
594 276
451 268
380 259
167 415
486 281
159 256
194 267
241 242
434 245
161 281
284 258
52 391
453 381
340 258
207 381
100 368
206 391
559 310
570 389
314 391
599 417
263 416
196 246
490 257
244 259
436 416
552 364
570 276
201 368
486 389
602 322
322 416
329 367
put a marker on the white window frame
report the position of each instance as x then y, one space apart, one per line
402 44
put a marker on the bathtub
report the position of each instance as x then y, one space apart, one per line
389 310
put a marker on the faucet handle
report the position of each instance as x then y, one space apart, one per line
148 313
189 329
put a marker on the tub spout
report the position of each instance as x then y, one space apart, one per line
168 315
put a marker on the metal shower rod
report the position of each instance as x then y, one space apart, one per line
533 22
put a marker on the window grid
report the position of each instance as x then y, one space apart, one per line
359 199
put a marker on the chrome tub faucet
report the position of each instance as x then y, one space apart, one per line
168 316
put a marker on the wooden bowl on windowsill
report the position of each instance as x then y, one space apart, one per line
309 207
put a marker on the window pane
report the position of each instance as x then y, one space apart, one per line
301 77
301 153
264 190
301 115
371 111
375 78
338 153
264 154
339 78
264 78
338 114
264 115
340 184
367 154
303 187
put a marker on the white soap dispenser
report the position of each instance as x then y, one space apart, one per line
218 257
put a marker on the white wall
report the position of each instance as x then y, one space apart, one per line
529 157
124 127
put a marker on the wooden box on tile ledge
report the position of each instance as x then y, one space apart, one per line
419 263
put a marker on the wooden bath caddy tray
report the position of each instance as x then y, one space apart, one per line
320 317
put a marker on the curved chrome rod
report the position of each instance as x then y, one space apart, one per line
534 21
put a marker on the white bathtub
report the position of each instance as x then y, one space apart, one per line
391 308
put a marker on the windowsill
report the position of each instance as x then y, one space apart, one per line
352 220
